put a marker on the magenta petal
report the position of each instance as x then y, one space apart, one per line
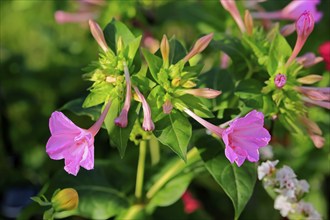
72 165
58 144
60 124
87 161
230 154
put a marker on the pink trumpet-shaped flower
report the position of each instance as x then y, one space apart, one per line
98 35
242 138
147 124
203 92
231 7
292 11
122 119
72 143
304 27
280 80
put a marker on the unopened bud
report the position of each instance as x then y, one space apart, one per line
165 50
189 84
167 107
203 92
199 46
176 82
65 200
248 21
98 35
310 79
230 6
280 80
305 24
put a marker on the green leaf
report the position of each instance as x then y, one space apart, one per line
98 94
115 29
155 63
195 104
177 51
156 100
250 92
119 136
76 107
172 190
174 131
237 182
132 47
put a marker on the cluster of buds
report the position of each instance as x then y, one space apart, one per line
283 185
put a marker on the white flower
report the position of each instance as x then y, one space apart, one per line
284 176
266 168
283 205
308 210
302 186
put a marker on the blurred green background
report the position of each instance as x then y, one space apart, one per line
41 64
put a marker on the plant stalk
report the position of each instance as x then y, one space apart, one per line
140 170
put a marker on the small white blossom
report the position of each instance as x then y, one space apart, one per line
266 168
284 176
302 186
283 205
308 210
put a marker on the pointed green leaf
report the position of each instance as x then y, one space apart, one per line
133 46
174 131
177 51
119 136
237 182
115 29
155 63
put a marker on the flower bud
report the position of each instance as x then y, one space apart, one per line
98 35
248 21
167 107
189 84
305 24
288 29
231 7
280 80
65 200
165 50
120 44
199 46
310 79
176 82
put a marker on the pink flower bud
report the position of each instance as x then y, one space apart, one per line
98 35
73 17
203 92
304 26
308 59
148 124
310 79
199 46
288 29
122 119
280 80
167 107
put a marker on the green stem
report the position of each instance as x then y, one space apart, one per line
140 170
192 156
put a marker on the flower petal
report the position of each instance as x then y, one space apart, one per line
60 124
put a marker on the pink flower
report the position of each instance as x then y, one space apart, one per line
324 51
122 119
242 138
304 27
190 203
148 124
231 7
72 143
292 11
280 80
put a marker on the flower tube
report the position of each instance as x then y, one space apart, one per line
148 124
